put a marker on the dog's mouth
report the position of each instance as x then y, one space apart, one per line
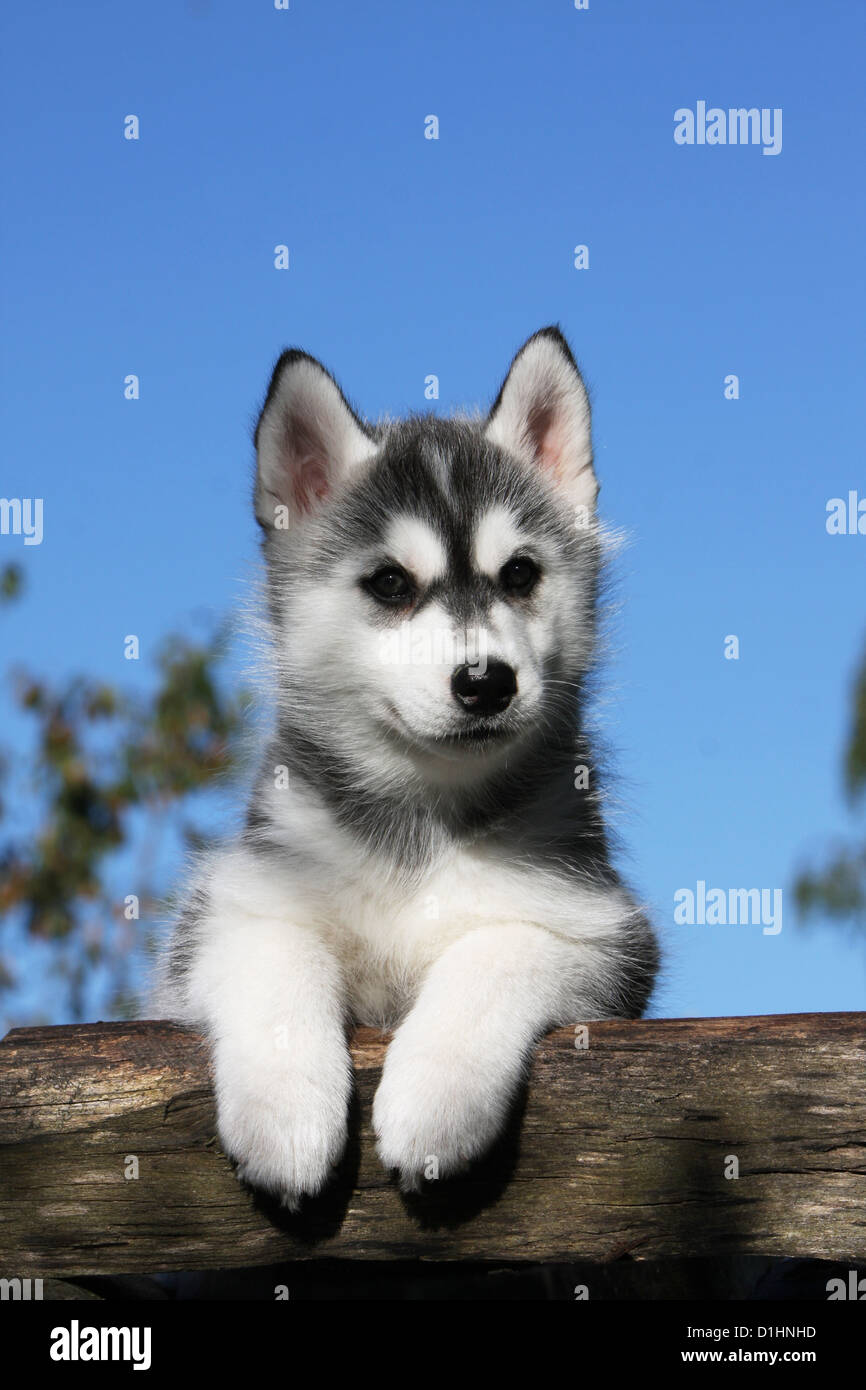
476 736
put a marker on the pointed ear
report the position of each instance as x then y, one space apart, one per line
542 415
307 439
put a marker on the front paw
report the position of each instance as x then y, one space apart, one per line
434 1114
286 1145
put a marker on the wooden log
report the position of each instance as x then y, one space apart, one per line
619 1148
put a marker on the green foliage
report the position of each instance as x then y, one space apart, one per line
11 583
855 757
838 889
111 771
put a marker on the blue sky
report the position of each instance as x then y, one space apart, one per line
411 256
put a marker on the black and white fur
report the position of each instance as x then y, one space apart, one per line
429 868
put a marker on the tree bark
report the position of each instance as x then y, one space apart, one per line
628 1146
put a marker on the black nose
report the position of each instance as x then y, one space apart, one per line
484 692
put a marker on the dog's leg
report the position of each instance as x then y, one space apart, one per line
271 998
456 1061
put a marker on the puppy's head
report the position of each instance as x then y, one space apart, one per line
432 582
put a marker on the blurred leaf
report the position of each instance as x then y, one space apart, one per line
11 583
100 755
855 758
838 889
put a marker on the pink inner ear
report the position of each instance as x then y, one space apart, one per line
545 434
310 484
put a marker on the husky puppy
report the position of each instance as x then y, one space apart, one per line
424 849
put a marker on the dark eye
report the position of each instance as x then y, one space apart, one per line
389 585
519 576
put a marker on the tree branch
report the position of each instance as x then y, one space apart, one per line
617 1149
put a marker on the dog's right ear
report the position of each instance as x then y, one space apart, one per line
307 439
542 415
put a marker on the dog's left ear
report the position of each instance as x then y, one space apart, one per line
308 440
542 415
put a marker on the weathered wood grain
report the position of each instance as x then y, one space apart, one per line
617 1149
